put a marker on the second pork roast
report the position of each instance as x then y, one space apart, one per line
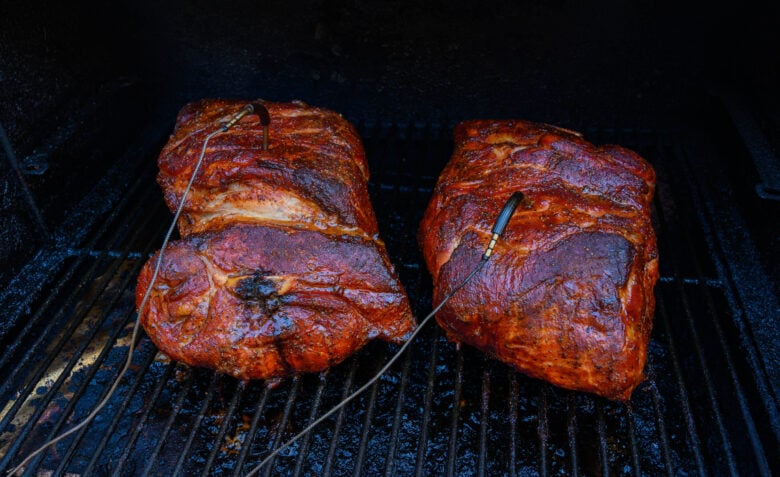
567 296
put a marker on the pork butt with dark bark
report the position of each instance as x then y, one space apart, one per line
280 269
567 295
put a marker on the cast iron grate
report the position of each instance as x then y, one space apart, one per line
439 411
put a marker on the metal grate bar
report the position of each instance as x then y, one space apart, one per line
119 413
571 428
147 409
252 430
483 422
453 444
334 440
60 315
426 417
65 373
514 397
601 429
279 435
361 454
185 450
659 415
632 439
304 447
758 450
712 397
394 434
543 431
238 393
693 435
161 439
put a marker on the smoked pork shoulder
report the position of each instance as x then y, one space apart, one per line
280 268
567 295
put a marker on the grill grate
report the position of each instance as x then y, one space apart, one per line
439 411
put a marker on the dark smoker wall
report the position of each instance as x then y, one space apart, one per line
78 83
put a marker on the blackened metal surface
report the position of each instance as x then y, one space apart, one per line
78 233
77 155
705 408
13 163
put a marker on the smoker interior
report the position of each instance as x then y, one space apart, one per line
440 411
84 213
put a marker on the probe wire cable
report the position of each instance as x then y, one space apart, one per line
371 381
136 327
498 229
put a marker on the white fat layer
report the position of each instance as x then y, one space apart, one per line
286 211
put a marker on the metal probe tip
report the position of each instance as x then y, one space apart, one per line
256 107
244 111
502 221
